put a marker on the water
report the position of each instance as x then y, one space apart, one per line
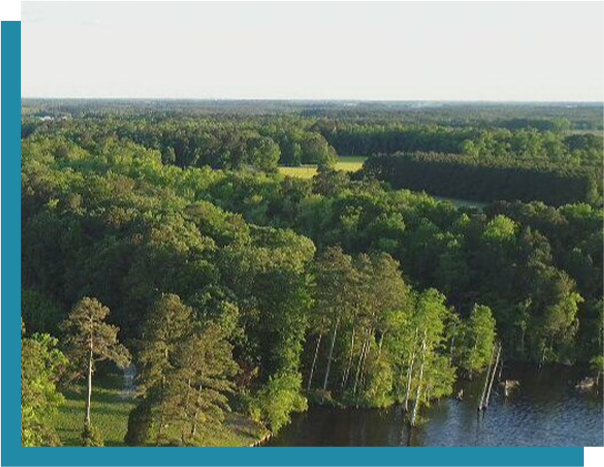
546 410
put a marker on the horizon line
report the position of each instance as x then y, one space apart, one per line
315 99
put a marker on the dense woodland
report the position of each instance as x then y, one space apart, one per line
163 235
489 179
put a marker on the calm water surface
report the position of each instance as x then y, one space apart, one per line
546 410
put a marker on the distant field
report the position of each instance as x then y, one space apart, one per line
110 410
345 163
587 132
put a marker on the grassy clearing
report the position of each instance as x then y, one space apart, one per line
305 171
110 410
345 163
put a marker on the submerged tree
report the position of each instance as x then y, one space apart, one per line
89 340
433 376
480 338
597 366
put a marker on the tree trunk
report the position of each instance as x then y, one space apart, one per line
186 407
380 344
359 366
314 361
486 383
349 364
364 362
194 422
329 359
161 411
452 350
89 388
486 402
542 357
160 425
410 373
419 384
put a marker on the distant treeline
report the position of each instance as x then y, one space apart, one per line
487 180
541 116
255 144
525 143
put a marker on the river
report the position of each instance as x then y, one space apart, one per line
545 410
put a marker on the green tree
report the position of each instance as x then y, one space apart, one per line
186 373
278 399
316 150
201 382
89 339
41 366
433 375
167 326
264 154
335 296
480 338
597 366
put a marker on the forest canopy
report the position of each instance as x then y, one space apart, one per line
237 289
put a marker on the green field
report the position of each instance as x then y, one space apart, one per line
345 163
110 410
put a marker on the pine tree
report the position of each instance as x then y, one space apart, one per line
186 372
90 340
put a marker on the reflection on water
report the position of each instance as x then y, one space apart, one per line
546 410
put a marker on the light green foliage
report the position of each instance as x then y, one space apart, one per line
431 375
277 400
41 366
500 229
597 366
479 339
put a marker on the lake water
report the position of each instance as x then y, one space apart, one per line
546 410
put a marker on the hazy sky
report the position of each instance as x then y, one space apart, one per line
403 51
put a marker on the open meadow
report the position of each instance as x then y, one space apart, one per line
345 163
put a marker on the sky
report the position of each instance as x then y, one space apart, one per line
487 51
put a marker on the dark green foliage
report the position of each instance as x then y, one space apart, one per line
40 313
186 374
487 180
140 423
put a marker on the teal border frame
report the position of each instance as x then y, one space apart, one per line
10 267
10 230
